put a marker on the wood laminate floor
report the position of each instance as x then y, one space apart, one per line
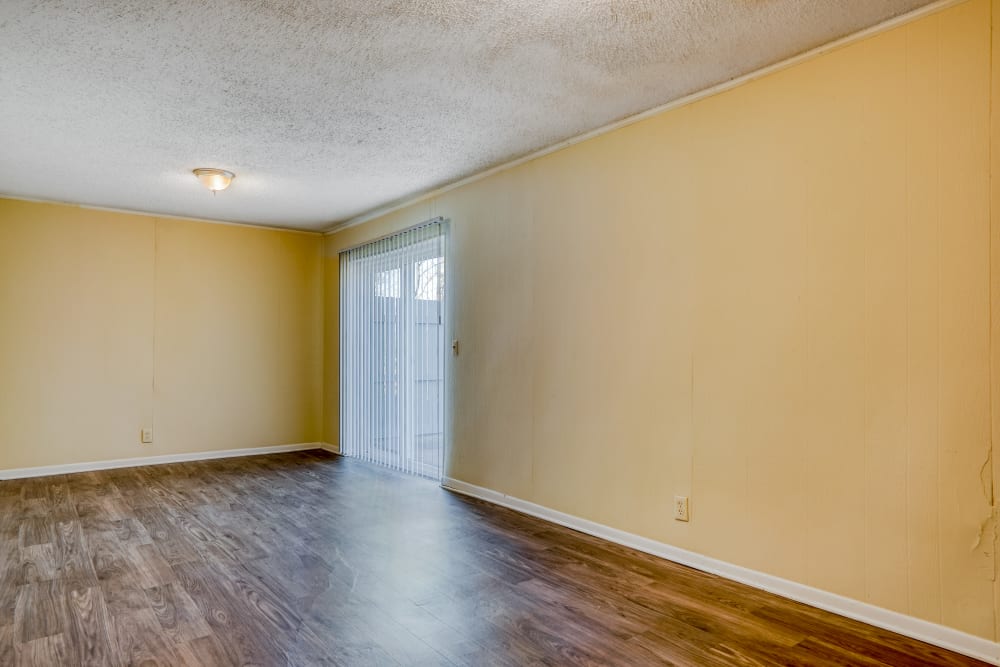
313 559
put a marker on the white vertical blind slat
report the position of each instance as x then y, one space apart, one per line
392 350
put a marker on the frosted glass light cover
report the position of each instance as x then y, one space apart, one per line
215 179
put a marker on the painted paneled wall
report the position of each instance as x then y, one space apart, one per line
775 300
210 334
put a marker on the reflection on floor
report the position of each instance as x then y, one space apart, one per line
313 559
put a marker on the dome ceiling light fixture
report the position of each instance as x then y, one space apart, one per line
214 179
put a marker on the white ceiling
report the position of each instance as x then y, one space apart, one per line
326 110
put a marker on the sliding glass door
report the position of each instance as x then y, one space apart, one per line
392 350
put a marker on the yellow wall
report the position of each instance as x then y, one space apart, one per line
211 334
331 345
995 294
775 300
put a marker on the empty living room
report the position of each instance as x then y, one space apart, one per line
447 333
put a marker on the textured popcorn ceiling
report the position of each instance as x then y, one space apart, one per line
326 110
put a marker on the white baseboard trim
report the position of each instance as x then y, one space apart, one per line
932 633
335 449
45 471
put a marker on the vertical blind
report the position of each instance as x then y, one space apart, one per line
392 350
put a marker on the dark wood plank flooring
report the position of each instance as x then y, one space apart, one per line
313 559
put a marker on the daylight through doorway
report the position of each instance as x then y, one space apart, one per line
392 350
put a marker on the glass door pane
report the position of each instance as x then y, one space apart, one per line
393 338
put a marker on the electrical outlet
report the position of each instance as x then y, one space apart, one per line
146 436
681 508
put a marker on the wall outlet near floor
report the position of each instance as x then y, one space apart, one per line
146 436
681 508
